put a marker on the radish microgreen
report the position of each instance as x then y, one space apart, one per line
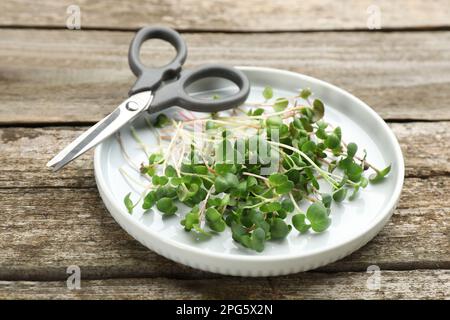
309 165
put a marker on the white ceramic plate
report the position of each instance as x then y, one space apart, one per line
353 223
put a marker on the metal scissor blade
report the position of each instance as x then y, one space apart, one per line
125 112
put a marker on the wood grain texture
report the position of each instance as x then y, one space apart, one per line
34 201
51 76
25 151
249 15
44 230
417 284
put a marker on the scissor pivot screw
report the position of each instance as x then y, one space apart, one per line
132 106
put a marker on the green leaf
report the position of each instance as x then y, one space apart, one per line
192 218
251 181
220 184
279 229
238 231
299 223
186 193
258 239
170 172
274 122
155 158
280 104
270 207
258 112
128 203
340 194
287 205
200 169
149 200
354 172
309 146
337 131
267 93
159 180
317 215
332 141
284 188
319 110
161 121
321 134
166 206
277 179
223 168
214 220
176 181
306 125
377 177
352 148
364 182
305 93
326 200
210 125
232 180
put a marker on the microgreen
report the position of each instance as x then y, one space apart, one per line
280 104
317 214
128 203
267 93
161 121
314 166
299 223
379 175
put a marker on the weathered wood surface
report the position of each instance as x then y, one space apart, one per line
25 151
62 76
44 230
230 15
417 284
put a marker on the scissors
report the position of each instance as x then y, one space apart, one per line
157 89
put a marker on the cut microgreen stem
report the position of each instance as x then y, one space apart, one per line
266 180
178 126
131 179
155 132
136 137
255 175
363 161
322 172
202 211
124 152
259 204
197 175
236 122
265 116
291 196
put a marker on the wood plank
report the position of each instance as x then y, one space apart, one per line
44 230
417 284
249 15
49 76
25 151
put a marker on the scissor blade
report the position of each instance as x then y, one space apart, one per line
125 112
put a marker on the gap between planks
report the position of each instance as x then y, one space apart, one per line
417 284
440 28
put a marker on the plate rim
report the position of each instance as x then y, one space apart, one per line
375 225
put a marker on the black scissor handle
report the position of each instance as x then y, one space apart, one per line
175 94
150 78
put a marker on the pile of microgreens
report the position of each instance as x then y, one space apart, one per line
233 194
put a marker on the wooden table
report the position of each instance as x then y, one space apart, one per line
55 82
